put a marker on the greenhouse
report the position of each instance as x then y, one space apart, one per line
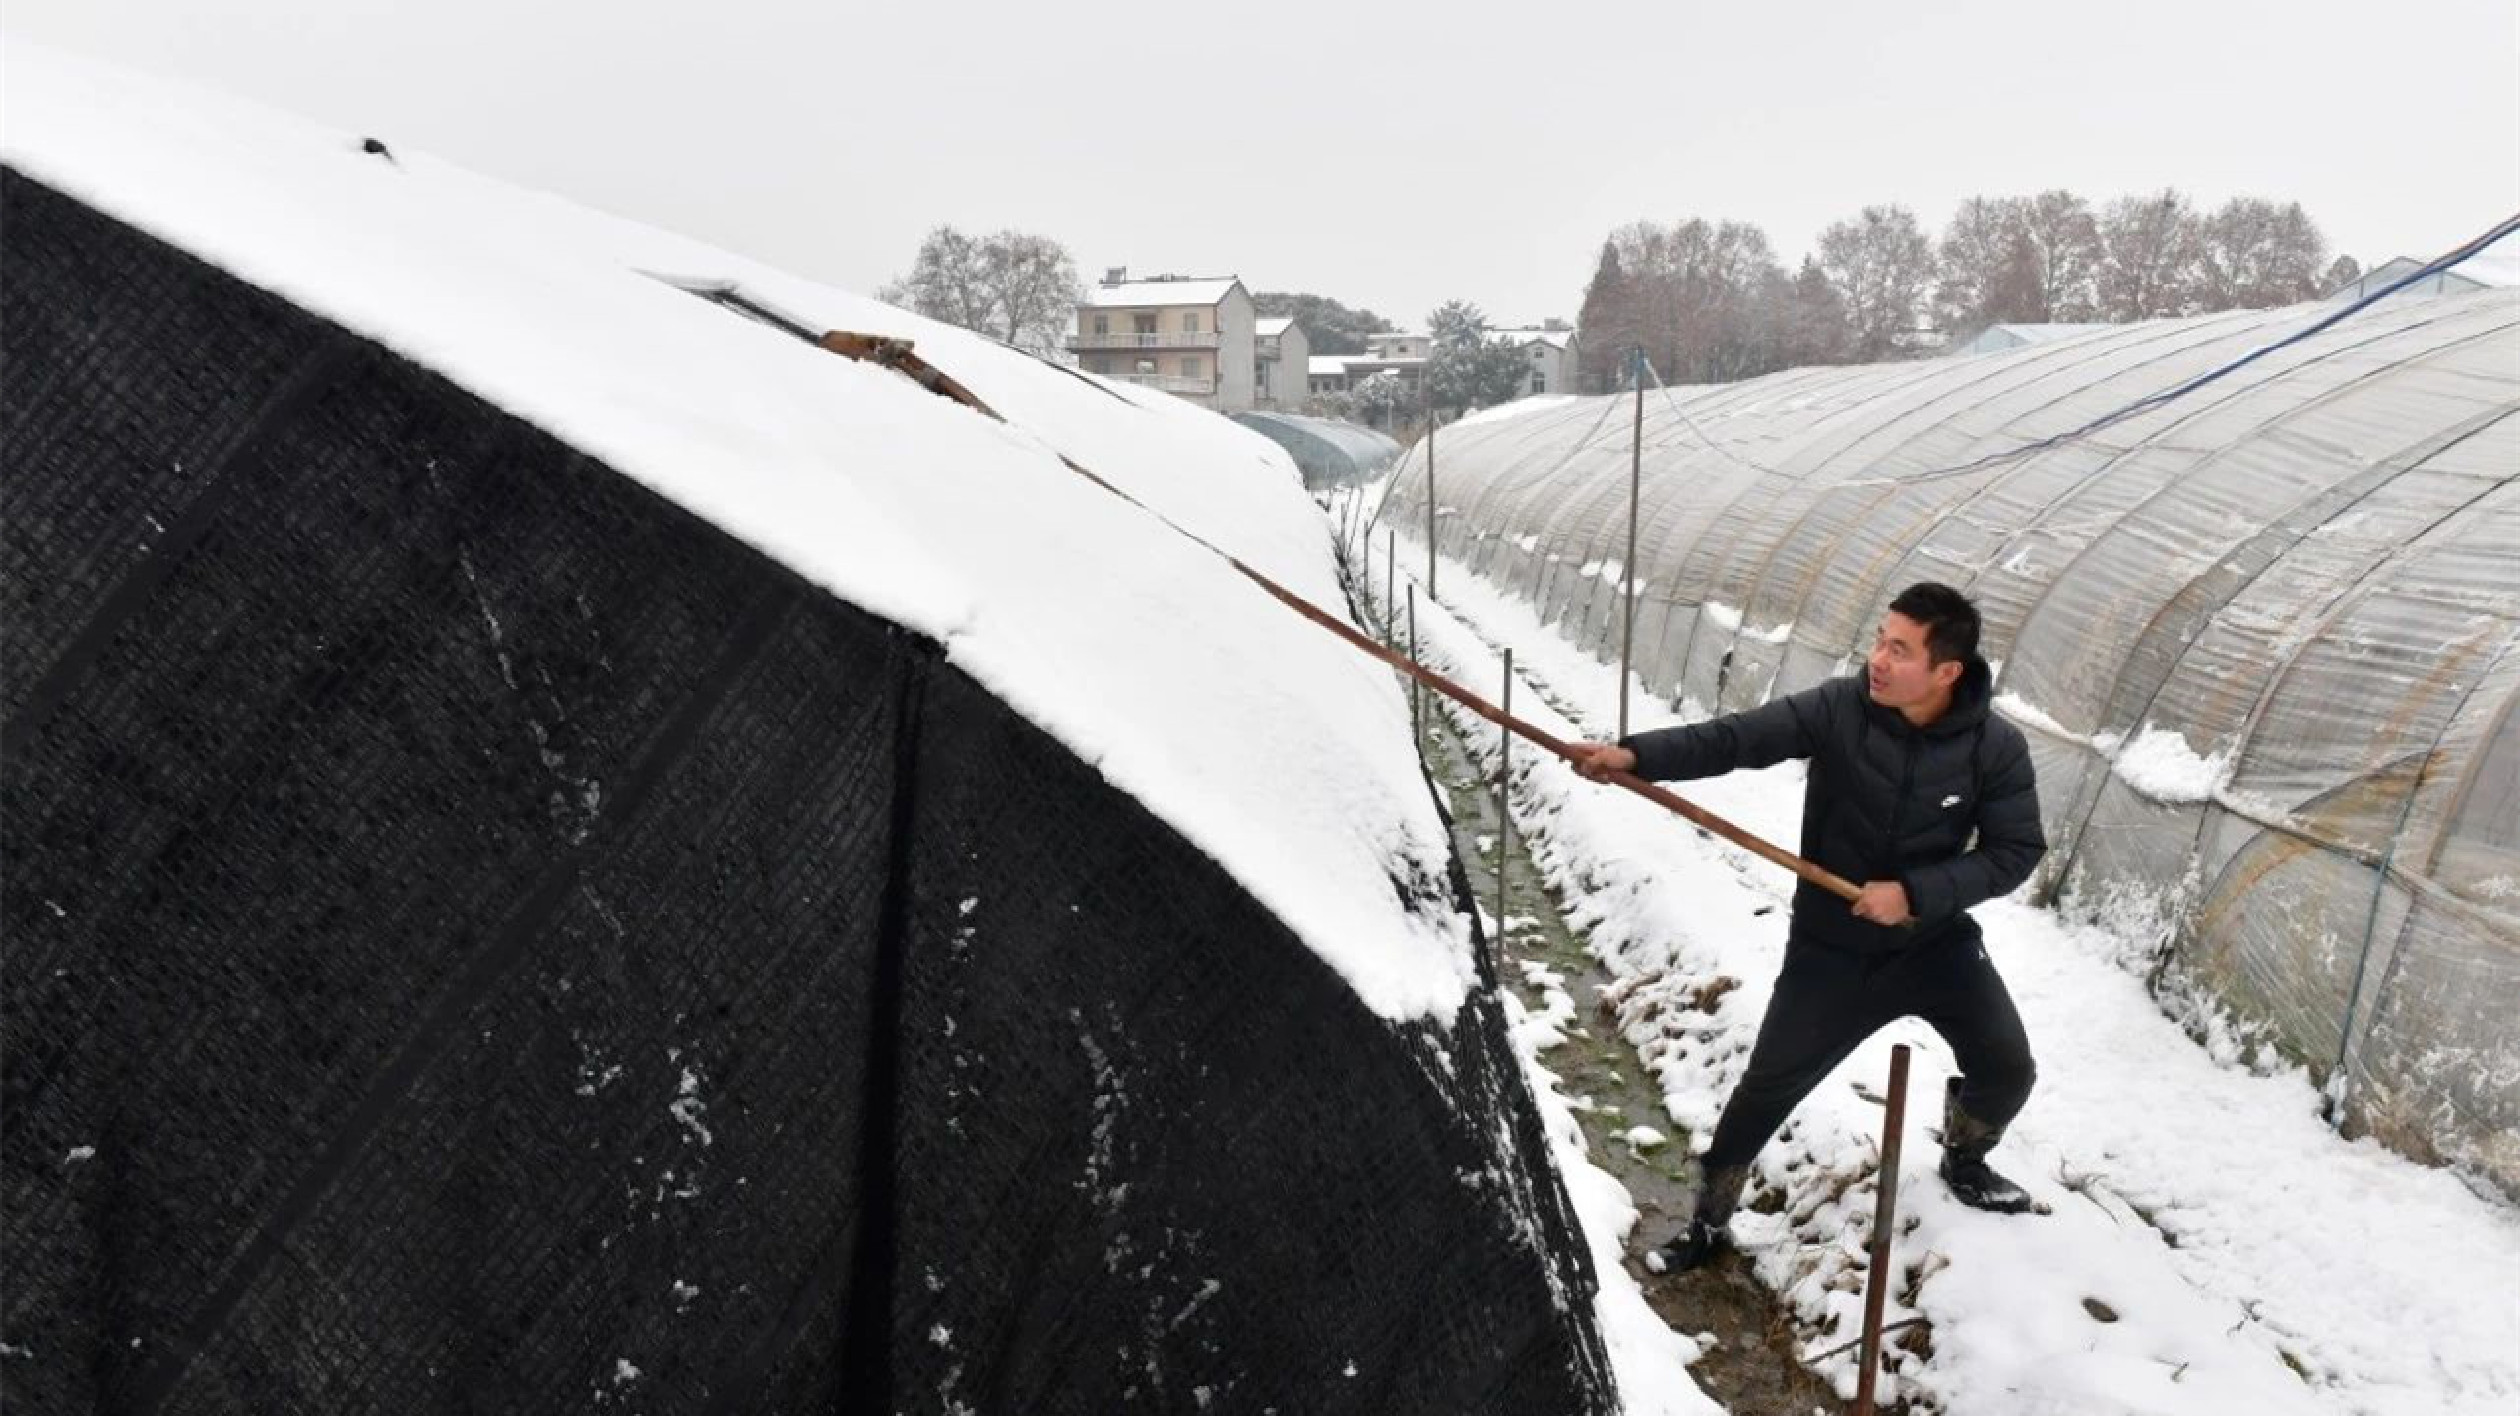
1330 453
574 844
2261 635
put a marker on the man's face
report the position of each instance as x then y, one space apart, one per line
1900 672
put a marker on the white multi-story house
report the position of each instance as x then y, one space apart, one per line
1550 354
1190 336
1282 363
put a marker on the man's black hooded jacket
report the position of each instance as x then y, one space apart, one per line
1886 800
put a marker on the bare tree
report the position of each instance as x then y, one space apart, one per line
2344 272
2017 259
1882 266
1010 285
2148 257
1699 296
2061 228
1987 269
2254 255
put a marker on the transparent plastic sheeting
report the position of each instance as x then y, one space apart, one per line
1329 452
2262 638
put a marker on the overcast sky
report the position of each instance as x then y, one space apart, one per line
1389 155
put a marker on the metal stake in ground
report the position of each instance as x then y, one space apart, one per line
1504 804
1627 568
1431 420
1417 692
1391 577
1885 1214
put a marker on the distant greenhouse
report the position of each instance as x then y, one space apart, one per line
2262 638
1330 453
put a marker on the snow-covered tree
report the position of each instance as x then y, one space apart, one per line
1469 369
1009 285
1381 399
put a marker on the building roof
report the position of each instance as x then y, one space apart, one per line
1162 290
1328 365
1274 324
1554 338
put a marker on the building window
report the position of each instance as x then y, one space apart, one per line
1102 324
1145 324
1192 366
1190 323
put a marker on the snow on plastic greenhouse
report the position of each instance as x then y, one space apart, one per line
2262 637
1330 453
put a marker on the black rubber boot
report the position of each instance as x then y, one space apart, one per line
1704 1235
1973 1182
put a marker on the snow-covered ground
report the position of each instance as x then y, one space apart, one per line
2213 1246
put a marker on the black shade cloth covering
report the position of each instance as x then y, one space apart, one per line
478 938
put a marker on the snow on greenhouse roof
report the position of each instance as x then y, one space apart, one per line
1161 290
1264 741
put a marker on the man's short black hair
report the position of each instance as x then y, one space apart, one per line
1951 622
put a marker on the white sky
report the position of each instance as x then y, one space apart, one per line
1393 155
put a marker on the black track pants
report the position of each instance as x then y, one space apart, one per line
1827 1002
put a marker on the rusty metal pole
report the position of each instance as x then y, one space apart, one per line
1885 1216
1504 805
1627 568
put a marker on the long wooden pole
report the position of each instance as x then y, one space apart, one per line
1821 876
897 354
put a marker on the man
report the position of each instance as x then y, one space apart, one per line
1907 763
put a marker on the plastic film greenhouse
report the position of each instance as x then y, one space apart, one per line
1328 452
2261 637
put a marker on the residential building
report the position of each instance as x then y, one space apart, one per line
1192 336
1281 363
1550 354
